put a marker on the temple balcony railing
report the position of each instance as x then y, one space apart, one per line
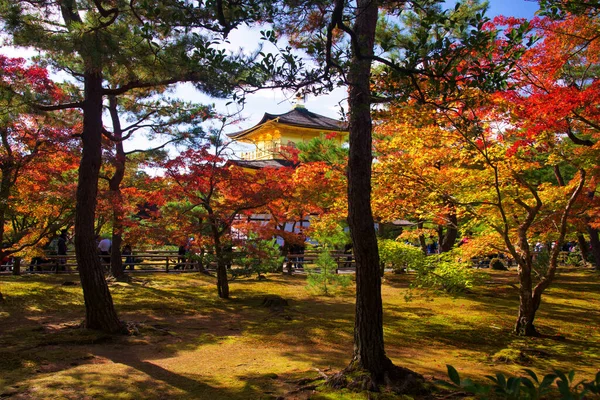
268 153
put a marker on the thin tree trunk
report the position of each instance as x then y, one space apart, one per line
527 307
595 245
100 311
5 185
530 298
583 247
369 353
116 260
448 240
17 266
222 281
422 241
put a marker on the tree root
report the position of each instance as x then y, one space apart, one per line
394 379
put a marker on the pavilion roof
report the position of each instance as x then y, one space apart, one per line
258 164
298 117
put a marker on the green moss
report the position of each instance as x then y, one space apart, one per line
191 344
509 356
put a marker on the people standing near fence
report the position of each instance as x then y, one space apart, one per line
129 258
104 248
181 253
62 251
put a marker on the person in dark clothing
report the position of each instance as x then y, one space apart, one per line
62 251
129 258
181 257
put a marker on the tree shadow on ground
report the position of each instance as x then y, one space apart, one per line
192 387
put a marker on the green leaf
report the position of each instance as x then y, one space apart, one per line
501 380
453 374
532 375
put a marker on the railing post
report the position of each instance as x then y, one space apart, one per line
167 258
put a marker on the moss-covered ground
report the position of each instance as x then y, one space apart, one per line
189 344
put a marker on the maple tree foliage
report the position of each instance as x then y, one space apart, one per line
209 195
37 160
167 122
382 56
308 189
516 161
506 188
557 90
416 173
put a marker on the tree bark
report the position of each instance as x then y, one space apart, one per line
114 185
16 266
422 241
448 240
222 281
595 245
100 311
527 305
583 246
369 353
530 298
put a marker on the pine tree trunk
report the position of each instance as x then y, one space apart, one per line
116 260
369 351
100 311
6 183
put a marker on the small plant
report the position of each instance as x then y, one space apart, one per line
401 256
324 275
330 235
526 387
445 272
497 264
260 256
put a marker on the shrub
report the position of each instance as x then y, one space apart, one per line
527 387
497 264
445 272
260 256
400 256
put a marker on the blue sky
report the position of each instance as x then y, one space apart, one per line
515 8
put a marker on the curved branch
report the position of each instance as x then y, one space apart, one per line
58 107
575 139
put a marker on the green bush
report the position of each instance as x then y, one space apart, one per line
497 264
527 387
259 256
400 256
441 271
445 272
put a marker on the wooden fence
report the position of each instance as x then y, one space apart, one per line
308 258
